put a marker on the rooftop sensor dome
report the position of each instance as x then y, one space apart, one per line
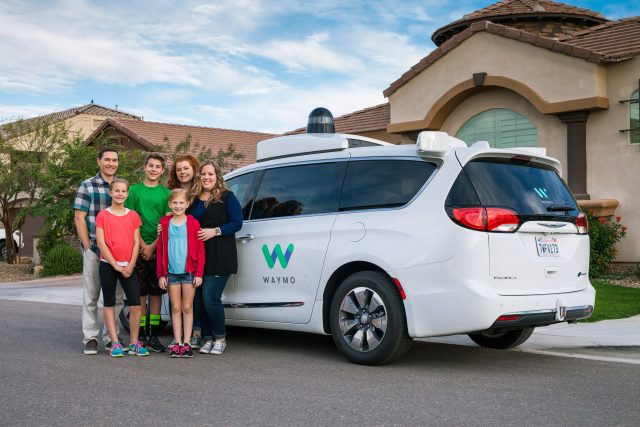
321 121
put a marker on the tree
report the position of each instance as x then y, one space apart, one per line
24 146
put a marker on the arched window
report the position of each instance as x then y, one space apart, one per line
634 117
502 128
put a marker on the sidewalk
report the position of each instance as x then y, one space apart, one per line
608 340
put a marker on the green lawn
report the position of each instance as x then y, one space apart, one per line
614 302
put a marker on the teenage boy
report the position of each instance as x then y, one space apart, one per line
150 200
91 198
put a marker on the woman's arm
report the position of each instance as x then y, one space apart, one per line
234 212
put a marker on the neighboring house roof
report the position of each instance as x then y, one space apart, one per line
152 136
584 49
365 120
618 40
510 10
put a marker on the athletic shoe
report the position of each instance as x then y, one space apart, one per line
91 347
174 350
143 340
206 348
117 351
218 347
185 350
155 344
107 346
138 349
196 342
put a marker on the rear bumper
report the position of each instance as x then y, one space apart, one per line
539 318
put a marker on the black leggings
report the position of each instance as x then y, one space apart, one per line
109 280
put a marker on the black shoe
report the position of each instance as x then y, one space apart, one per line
143 340
91 347
185 350
155 344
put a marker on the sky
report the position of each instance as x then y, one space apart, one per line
258 65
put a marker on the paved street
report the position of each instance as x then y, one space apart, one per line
279 378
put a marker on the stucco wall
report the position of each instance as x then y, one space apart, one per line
553 76
613 163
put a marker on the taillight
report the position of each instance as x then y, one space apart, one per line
487 219
582 223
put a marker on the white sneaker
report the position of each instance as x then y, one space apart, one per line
206 348
218 347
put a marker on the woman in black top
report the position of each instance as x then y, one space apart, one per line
220 216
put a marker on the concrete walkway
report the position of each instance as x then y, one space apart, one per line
607 340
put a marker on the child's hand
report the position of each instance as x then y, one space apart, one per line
197 281
147 251
128 270
162 282
159 228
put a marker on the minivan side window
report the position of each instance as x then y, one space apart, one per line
371 184
298 190
241 186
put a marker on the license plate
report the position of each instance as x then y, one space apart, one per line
548 246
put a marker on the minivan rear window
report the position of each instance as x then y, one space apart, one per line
525 187
371 184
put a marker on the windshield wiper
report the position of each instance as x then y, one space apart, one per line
560 208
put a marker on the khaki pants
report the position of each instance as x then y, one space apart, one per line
90 296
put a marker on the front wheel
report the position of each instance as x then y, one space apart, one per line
502 340
368 321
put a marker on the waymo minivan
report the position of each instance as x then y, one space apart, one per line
377 244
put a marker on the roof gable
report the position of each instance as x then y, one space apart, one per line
617 40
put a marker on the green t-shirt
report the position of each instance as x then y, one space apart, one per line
151 203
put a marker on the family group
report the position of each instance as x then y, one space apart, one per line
154 239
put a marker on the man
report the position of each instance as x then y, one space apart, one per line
91 198
150 200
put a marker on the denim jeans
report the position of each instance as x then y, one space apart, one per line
212 316
197 308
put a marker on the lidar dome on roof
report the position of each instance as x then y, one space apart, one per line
547 18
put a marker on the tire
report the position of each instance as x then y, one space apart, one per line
502 340
124 320
365 333
3 251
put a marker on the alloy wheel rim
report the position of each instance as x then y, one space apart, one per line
362 319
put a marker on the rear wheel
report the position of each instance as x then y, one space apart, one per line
3 251
502 340
368 321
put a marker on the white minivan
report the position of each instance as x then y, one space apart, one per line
377 244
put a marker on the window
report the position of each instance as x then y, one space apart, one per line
371 184
527 189
241 186
298 190
634 117
501 128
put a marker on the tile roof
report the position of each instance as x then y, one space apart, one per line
365 120
563 47
152 135
508 10
617 40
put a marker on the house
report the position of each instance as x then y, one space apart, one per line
537 73
152 136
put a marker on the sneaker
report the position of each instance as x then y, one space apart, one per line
207 347
185 350
107 346
91 347
116 350
143 340
174 350
155 344
138 349
196 342
218 347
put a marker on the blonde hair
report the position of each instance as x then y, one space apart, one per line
118 181
218 189
179 192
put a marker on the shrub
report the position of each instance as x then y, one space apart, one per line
62 260
604 233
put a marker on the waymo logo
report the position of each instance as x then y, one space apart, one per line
271 257
542 192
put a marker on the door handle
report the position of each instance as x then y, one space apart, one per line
245 238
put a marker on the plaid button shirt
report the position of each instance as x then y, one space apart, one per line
92 197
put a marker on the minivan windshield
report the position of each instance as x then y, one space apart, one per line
525 187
